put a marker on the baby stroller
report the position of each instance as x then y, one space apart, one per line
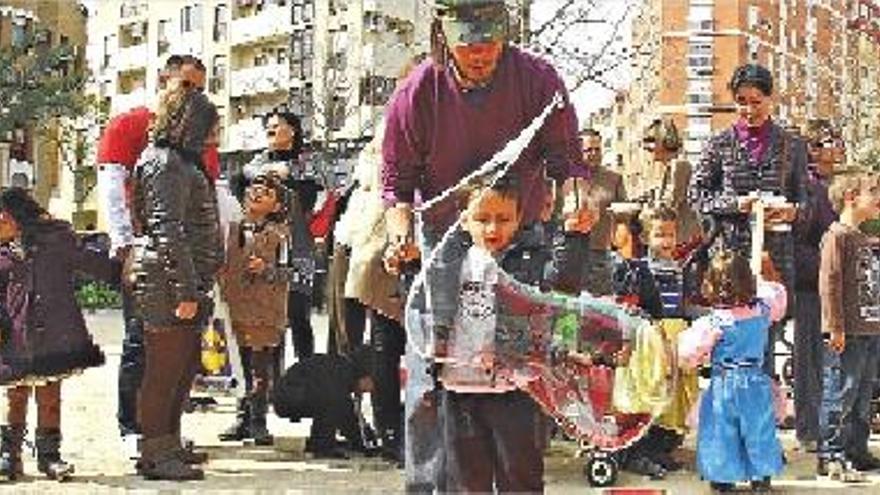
604 398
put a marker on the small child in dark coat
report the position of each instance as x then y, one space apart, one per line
320 387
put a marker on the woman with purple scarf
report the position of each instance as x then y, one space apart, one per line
754 155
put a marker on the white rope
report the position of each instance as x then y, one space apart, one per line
503 160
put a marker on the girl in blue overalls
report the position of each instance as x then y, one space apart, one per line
736 439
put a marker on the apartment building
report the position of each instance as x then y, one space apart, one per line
821 52
46 160
334 62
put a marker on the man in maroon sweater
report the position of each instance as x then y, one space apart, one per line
452 114
120 146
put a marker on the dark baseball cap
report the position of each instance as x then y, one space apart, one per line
472 21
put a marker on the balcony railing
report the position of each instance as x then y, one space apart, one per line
262 79
272 22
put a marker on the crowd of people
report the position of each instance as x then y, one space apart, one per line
433 258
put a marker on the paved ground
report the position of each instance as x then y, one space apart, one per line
92 443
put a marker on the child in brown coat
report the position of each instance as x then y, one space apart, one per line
254 284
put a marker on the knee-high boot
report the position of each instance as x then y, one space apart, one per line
11 438
49 460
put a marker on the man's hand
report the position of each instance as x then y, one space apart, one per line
396 256
781 214
746 203
398 223
256 265
837 343
581 221
186 310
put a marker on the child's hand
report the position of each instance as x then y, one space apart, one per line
768 269
396 255
256 265
837 343
487 361
187 310
579 359
621 357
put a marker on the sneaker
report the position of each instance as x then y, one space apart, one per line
844 472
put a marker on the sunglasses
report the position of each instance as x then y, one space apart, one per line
190 85
831 143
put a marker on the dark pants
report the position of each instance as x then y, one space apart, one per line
258 371
347 317
337 415
347 323
171 364
298 318
808 349
848 385
388 342
48 405
493 441
131 367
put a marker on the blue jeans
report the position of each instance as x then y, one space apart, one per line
131 367
848 382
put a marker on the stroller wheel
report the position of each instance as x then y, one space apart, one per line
600 470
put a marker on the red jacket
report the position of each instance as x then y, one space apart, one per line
125 137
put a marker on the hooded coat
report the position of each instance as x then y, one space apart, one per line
175 208
44 334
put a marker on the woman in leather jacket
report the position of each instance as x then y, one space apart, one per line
178 253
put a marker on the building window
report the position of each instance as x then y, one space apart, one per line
162 42
700 48
190 18
221 12
296 46
109 47
699 99
19 31
699 61
372 22
337 113
376 90
754 17
308 11
308 50
281 56
218 73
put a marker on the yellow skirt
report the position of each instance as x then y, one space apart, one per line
686 390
